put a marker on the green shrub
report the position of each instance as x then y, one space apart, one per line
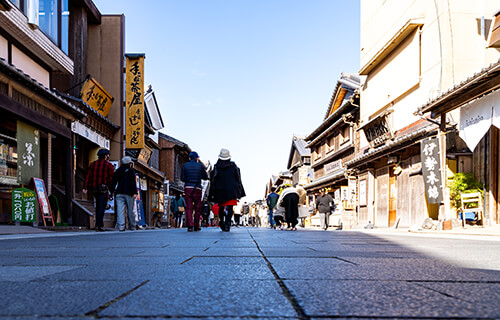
462 183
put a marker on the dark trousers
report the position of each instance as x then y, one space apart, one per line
279 220
225 216
101 200
237 219
193 203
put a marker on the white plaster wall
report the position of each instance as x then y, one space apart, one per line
451 50
4 52
30 67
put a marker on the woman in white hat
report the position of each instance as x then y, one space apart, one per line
225 187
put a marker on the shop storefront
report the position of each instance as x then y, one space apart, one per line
35 140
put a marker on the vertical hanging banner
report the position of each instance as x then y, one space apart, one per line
28 150
431 169
134 101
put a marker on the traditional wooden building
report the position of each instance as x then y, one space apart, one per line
334 142
406 61
173 155
299 161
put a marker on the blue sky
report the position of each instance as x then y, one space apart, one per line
242 74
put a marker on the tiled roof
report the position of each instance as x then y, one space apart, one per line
173 140
487 79
25 79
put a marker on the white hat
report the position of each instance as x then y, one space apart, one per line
224 154
126 160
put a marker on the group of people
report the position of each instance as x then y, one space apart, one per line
225 189
105 183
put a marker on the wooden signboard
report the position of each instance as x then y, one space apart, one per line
43 201
134 101
95 96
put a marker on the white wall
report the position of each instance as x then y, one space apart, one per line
4 52
450 49
30 67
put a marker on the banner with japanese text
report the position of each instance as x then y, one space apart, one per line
28 150
23 205
431 169
134 101
95 96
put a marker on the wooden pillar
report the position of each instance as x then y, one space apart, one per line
69 178
442 147
49 164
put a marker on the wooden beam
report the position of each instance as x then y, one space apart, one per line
33 117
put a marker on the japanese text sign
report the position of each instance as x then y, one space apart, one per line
431 169
95 96
28 149
23 205
134 101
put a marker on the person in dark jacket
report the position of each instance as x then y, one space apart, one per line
324 205
125 189
225 188
191 174
272 200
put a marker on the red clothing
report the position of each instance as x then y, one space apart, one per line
215 209
233 202
100 172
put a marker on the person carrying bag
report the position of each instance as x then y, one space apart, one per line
324 206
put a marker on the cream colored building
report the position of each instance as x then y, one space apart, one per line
411 53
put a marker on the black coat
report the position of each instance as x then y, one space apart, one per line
225 182
124 181
291 204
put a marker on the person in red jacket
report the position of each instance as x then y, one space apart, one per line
99 179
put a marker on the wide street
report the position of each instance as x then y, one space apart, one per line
249 273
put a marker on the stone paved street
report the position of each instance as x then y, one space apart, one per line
249 273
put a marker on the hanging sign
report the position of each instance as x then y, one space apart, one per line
134 101
43 200
28 150
23 205
431 169
94 95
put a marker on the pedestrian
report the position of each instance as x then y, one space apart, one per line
178 206
205 213
125 189
263 216
225 187
191 174
237 215
245 210
289 200
272 200
279 217
215 211
324 205
99 178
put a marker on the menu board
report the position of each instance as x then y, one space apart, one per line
43 200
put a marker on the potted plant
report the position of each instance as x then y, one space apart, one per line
462 183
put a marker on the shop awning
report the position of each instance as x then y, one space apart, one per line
328 179
477 117
483 82
149 171
392 146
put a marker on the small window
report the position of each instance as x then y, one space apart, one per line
345 135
